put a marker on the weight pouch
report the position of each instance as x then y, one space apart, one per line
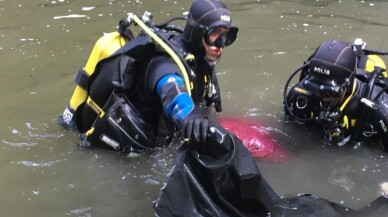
122 128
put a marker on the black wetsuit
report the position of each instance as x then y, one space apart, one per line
159 93
374 116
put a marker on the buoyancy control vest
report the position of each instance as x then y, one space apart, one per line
99 107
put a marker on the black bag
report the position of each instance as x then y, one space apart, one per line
122 128
219 179
222 179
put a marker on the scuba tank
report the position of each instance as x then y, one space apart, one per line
103 48
108 118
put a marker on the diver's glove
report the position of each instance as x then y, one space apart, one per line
196 130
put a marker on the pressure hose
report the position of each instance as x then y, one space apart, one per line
153 33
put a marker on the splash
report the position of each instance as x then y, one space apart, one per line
81 212
31 136
69 16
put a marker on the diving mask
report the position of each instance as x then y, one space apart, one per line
221 36
333 93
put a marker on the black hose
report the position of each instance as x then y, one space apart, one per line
381 92
371 84
285 94
174 28
164 24
374 52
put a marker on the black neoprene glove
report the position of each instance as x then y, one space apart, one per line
196 130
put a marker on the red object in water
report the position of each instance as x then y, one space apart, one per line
255 138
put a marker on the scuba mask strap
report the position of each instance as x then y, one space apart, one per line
169 27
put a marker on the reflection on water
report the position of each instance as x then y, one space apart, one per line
44 43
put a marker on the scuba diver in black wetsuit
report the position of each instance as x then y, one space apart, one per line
342 90
136 89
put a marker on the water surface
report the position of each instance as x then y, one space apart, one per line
44 43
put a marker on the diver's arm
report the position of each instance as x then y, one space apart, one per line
176 102
180 108
165 82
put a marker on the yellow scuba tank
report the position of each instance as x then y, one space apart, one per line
103 48
374 60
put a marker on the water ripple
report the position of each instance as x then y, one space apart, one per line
81 212
32 136
19 144
69 16
43 164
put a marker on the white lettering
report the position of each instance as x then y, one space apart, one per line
225 18
322 71
368 103
67 116
383 126
112 143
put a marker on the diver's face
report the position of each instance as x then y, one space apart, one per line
212 51
334 100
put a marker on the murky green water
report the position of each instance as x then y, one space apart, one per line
44 43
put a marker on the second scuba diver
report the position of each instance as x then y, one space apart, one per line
132 92
342 90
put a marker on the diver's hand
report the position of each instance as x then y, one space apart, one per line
196 130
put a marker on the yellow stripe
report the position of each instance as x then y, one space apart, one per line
303 91
353 122
189 57
89 132
349 97
345 122
95 107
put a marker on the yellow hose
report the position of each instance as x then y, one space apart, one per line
173 55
